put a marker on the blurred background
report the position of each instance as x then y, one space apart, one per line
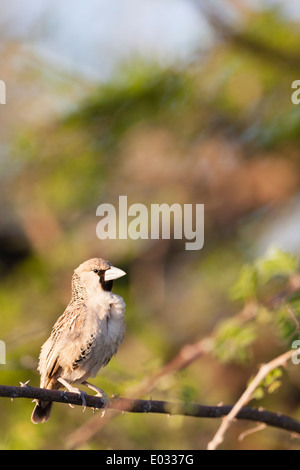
163 101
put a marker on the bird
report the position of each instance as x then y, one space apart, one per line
85 337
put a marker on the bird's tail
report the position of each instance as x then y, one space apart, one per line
41 412
42 409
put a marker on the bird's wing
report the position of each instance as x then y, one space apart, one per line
66 330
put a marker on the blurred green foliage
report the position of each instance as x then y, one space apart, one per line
221 131
234 336
271 384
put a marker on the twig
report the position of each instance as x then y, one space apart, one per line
259 427
188 354
264 370
155 406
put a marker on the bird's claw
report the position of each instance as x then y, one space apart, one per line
105 400
104 408
83 400
66 398
100 394
82 395
106 403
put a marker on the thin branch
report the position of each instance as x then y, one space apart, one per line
264 370
277 420
259 427
188 354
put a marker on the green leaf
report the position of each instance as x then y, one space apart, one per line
259 393
246 286
285 322
272 376
270 384
264 315
276 263
232 340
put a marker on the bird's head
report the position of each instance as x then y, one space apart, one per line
98 272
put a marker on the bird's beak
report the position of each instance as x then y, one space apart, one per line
113 273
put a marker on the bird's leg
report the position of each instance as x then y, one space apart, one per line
100 393
72 389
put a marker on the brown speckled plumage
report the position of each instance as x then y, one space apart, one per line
86 335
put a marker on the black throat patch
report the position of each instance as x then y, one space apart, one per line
106 285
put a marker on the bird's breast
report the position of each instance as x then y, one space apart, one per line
108 329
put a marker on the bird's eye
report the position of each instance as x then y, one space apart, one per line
96 270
